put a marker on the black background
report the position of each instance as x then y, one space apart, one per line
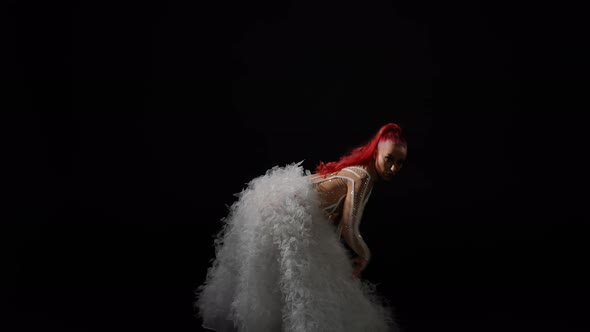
131 126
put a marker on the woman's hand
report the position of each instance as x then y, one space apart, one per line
359 264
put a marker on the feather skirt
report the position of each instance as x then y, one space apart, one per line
280 266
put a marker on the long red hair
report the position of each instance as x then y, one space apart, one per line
363 154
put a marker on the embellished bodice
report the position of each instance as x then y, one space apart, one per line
343 196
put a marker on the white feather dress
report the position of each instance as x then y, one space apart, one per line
279 262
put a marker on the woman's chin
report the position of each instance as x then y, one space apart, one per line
387 177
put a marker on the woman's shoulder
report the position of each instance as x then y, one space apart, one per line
358 171
354 173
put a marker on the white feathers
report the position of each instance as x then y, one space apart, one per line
279 266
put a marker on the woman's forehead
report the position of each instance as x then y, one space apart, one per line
400 150
386 145
390 146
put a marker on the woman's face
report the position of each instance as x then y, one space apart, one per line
389 159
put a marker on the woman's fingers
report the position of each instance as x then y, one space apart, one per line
359 265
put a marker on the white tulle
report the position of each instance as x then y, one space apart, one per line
279 266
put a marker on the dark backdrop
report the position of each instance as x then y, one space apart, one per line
134 124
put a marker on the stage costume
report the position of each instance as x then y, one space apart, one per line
280 263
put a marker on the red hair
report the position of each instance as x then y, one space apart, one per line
363 154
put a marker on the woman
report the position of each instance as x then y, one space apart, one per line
280 264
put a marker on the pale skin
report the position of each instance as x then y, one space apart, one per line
388 159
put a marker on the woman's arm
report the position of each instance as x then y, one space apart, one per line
351 217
